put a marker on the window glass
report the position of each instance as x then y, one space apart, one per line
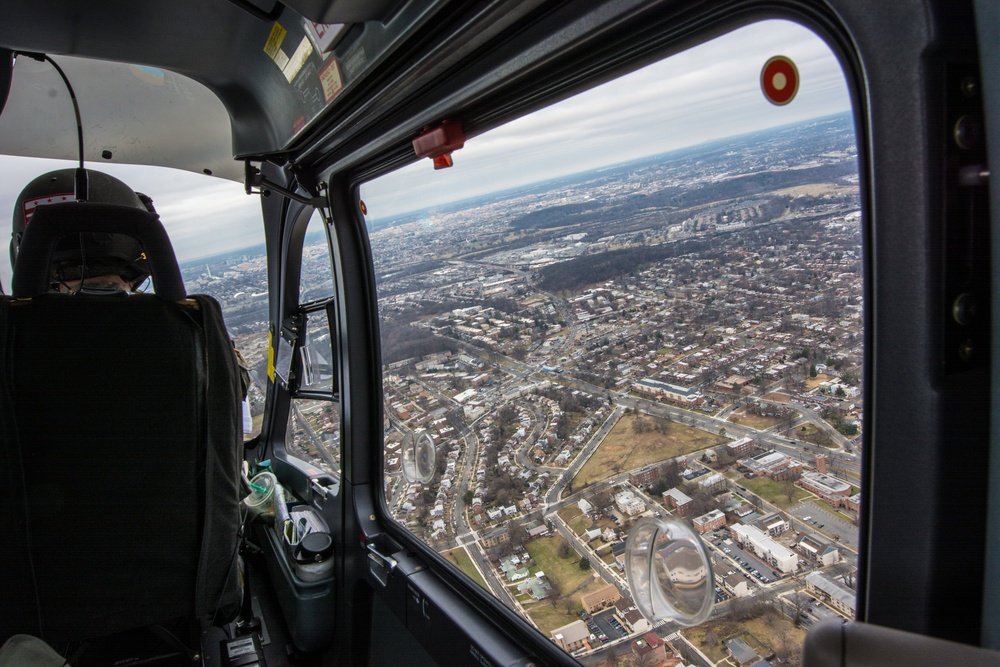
313 421
316 281
643 301
313 433
217 236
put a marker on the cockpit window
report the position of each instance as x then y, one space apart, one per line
645 300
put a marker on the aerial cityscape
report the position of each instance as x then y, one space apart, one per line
678 336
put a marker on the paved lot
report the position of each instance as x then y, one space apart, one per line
827 524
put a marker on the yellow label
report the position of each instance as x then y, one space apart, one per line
270 355
297 59
274 40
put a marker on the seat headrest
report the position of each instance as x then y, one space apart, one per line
52 222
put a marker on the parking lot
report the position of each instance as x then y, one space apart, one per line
827 524
604 625
752 566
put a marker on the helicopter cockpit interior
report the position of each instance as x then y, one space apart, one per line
647 332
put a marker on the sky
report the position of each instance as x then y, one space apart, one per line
708 92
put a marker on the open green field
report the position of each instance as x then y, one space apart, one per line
565 575
625 449
460 557
810 433
776 492
575 519
767 631
745 418
562 571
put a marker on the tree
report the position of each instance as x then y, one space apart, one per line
563 550
812 370
584 563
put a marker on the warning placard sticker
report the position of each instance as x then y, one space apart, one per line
331 80
273 46
298 59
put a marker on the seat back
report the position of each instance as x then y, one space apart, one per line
834 643
120 461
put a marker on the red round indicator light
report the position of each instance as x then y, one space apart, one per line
779 80
363 206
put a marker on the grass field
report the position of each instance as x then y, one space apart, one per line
624 449
754 421
460 557
564 573
776 492
575 519
810 433
767 630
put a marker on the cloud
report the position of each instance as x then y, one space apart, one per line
202 215
704 93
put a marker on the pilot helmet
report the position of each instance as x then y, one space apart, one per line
85 255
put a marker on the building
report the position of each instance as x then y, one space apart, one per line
644 476
713 483
736 585
741 652
837 596
600 599
630 503
740 448
677 500
495 537
824 486
630 616
773 524
536 587
817 552
709 522
765 548
671 392
512 569
536 529
571 637
650 649
773 464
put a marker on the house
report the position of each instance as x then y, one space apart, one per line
630 503
709 522
599 599
618 549
773 524
536 587
630 616
536 529
649 649
593 532
741 652
677 500
494 537
833 593
572 636
737 585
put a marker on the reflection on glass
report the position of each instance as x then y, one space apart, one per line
419 457
669 572
317 355
638 324
313 433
